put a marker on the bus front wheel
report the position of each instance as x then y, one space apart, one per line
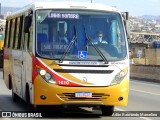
107 110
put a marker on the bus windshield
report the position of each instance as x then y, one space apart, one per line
80 35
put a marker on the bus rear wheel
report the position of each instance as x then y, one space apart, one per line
15 97
107 110
27 95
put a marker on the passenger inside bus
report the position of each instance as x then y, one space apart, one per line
62 35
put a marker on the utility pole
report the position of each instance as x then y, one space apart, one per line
91 1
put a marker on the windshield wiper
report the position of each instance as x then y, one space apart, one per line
70 45
98 51
96 48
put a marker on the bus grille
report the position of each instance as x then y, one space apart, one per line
95 97
84 71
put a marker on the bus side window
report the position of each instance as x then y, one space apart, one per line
30 39
9 37
6 33
14 33
17 32
20 33
27 32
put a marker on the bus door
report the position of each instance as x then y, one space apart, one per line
23 82
20 70
26 57
17 59
17 70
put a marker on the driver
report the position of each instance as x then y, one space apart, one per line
99 38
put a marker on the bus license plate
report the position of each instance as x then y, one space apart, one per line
83 94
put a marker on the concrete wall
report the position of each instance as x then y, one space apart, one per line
146 73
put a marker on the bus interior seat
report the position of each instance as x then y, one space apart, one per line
41 38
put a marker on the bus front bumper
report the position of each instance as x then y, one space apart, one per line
50 94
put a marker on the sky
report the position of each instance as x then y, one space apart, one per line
135 7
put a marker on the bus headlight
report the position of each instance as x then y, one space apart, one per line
42 72
119 77
46 76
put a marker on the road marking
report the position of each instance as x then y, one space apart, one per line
119 109
5 118
144 118
145 82
145 92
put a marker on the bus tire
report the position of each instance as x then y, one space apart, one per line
27 95
107 110
15 97
10 82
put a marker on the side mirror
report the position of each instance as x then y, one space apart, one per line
127 27
125 16
27 23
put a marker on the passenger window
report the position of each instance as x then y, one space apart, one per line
14 33
6 33
9 37
17 32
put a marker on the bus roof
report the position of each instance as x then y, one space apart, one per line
65 5
73 5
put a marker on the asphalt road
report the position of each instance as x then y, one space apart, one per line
143 96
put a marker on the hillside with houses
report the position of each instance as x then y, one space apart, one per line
146 23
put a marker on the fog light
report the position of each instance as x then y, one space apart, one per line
120 98
43 97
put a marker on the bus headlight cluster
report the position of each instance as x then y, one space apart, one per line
119 77
46 76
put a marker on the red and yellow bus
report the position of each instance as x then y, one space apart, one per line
1 48
1 40
54 56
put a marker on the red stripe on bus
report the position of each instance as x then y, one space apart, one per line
60 81
34 72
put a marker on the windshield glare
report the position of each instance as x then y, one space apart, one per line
56 29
